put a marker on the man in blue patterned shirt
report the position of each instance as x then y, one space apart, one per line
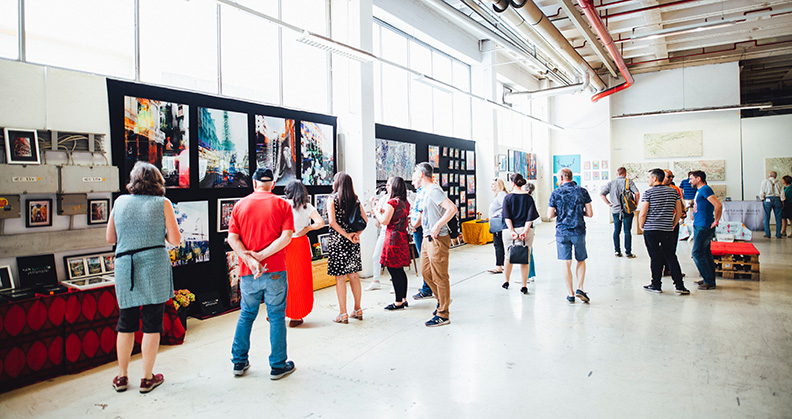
570 203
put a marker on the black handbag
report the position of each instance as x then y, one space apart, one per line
496 225
519 254
356 220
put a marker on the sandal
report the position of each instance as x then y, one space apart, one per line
358 314
342 318
495 271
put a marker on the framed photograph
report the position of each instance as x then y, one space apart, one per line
502 163
275 147
89 265
586 175
471 210
456 164
318 158
21 146
6 278
193 220
434 156
444 180
595 175
462 165
450 164
75 267
456 153
436 178
595 165
471 185
98 211
324 243
224 208
320 202
445 151
39 213
604 165
94 264
108 262
471 159
604 175
586 165
35 271
462 196
223 149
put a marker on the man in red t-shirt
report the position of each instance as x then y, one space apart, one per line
261 226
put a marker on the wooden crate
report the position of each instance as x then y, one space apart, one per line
320 277
737 266
753 276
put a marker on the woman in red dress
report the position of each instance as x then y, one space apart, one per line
299 272
396 252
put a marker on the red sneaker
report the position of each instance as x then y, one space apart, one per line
147 385
120 383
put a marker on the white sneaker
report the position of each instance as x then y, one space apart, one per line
374 285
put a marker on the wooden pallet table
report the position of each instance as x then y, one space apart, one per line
736 261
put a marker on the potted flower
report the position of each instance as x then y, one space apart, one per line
181 300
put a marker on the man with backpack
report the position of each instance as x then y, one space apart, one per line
624 197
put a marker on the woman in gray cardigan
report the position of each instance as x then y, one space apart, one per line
139 225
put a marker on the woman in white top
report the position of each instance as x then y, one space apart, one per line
299 272
496 223
379 202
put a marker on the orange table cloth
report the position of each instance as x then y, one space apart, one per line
476 232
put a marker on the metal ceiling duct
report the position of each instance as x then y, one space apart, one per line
534 25
554 91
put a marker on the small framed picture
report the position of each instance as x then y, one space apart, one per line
98 211
324 243
108 261
224 208
6 278
39 213
456 153
445 151
320 203
94 264
75 267
21 146
89 265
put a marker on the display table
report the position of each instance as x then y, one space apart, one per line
749 213
476 232
320 277
52 335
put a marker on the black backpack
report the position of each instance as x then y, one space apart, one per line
453 227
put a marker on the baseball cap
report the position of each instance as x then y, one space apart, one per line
263 175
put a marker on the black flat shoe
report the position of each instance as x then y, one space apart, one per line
505 285
393 306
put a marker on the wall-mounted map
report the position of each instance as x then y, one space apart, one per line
719 191
715 169
781 165
638 171
673 144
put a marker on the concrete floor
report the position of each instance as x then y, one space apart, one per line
721 353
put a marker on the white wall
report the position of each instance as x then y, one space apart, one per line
761 138
705 86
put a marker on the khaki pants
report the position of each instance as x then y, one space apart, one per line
434 268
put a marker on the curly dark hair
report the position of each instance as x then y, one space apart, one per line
146 179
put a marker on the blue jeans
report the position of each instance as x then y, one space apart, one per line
619 220
772 203
702 254
273 286
418 238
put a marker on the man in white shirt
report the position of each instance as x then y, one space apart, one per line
771 195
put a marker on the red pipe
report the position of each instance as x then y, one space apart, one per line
604 35
643 9
733 48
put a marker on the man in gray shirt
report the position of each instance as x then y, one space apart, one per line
614 190
436 211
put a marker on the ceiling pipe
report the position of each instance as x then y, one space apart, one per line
604 35
555 91
539 26
580 24
446 10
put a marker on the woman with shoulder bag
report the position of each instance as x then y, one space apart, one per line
496 223
396 250
343 261
519 213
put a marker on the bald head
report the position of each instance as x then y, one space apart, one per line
669 177
773 174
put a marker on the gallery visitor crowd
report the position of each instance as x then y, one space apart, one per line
268 235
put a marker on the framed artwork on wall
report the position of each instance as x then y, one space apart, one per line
462 196
224 208
324 243
456 164
456 153
532 166
158 132
444 180
471 184
436 178
604 175
6 278
21 146
587 165
445 151
434 156
193 220
471 208
223 149
98 211
317 142
595 165
471 160
450 164
512 160
395 158
569 161
320 202
502 163
275 147
586 175
39 213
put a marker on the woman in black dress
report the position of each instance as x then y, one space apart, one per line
519 213
344 248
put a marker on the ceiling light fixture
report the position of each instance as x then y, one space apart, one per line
335 47
696 110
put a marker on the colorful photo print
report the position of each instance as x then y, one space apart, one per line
512 160
604 165
444 180
223 155
436 178
232 264
98 211
471 184
158 132
462 196
21 146
434 156
569 161
462 182
39 213
502 163
595 175
451 164
604 175
6 278
109 262
462 212
324 243
193 220
318 154
224 208
595 165
471 208
586 175
76 267
394 158
456 164
471 160
445 151
320 203
94 265
275 147
456 153
462 165
586 165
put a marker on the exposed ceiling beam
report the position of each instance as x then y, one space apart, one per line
589 35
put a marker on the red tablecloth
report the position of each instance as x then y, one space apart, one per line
720 248
45 337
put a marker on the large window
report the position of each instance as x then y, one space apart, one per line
8 29
90 35
306 80
409 100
